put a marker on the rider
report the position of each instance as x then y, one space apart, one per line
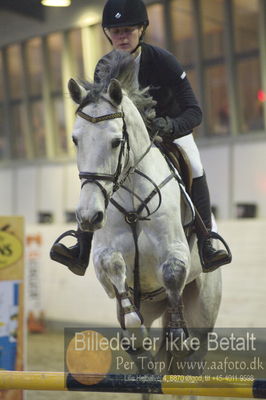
177 112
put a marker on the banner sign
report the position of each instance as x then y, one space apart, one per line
11 297
34 300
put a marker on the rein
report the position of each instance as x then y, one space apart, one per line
131 217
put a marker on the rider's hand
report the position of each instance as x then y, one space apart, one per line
163 126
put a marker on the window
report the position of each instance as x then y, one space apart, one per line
191 74
251 109
34 65
246 25
155 33
14 63
18 120
77 53
3 142
18 110
217 113
105 45
38 129
1 79
213 28
2 133
55 49
60 122
248 72
183 32
184 42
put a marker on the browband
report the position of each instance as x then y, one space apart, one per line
95 120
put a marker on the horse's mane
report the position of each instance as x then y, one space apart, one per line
121 66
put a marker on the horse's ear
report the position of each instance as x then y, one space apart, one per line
77 92
115 92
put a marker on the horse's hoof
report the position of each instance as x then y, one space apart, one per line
132 320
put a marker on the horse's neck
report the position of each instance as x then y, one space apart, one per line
145 158
149 164
138 136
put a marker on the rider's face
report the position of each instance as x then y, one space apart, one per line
125 38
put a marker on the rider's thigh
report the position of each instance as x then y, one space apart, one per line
188 144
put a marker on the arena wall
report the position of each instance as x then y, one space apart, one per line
236 174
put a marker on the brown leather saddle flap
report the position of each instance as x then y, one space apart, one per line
180 161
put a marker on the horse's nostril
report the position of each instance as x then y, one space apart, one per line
97 218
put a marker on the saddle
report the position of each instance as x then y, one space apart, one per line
178 161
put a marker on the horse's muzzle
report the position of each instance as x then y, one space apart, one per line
96 222
97 218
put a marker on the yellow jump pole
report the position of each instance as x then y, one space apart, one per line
160 384
32 380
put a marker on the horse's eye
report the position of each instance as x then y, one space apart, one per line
75 141
116 142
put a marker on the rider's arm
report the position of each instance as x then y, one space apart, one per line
191 114
188 111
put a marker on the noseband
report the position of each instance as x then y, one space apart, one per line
94 177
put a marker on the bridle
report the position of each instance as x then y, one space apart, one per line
94 177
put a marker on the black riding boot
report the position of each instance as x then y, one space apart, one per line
76 257
201 198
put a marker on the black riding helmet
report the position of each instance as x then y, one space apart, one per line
119 13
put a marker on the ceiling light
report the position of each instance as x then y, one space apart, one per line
56 3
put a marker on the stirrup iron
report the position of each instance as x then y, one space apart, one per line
212 266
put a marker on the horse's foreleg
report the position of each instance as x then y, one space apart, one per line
174 273
111 271
174 277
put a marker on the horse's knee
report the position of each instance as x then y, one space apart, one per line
174 274
111 270
112 262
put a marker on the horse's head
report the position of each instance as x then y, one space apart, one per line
100 136
107 119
